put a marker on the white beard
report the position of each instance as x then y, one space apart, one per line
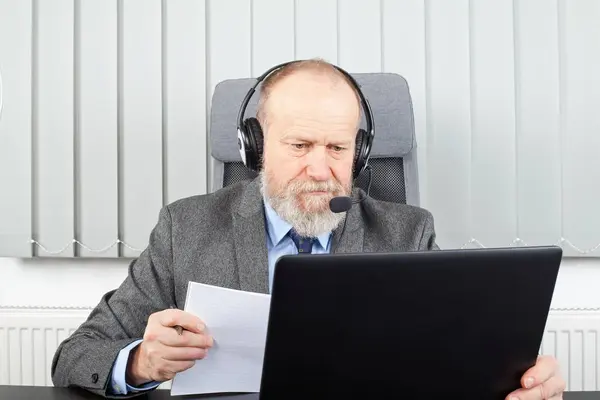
305 223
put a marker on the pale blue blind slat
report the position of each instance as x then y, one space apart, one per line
230 39
316 31
15 128
272 38
493 150
359 40
53 133
404 19
580 97
538 140
142 121
185 64
97 120
449 116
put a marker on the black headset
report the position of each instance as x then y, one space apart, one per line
250 134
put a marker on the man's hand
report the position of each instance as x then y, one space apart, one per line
163 352
542 381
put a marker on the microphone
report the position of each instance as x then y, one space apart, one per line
341 204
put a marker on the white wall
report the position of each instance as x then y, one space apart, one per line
59 283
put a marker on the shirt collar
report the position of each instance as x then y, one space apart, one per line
278 228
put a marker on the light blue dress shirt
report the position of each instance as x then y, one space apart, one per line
118 383
279 243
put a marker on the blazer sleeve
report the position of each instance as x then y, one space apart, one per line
428 235
85 359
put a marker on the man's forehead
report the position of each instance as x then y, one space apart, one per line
308 83
312 101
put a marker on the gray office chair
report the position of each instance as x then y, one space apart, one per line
393 156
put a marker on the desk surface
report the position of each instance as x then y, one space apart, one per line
51 393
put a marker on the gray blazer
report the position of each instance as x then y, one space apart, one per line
217 239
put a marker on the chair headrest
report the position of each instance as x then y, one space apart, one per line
388 94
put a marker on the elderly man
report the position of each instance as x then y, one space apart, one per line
309 112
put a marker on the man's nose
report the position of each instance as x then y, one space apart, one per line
317 166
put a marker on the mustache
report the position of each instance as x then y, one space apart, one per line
301 186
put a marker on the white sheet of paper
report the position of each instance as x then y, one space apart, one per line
237 320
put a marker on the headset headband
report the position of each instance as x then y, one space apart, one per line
364 102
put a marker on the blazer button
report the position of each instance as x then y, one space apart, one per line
94 378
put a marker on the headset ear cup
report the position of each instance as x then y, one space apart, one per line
255 138
359 161
258 138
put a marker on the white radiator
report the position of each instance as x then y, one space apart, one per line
29 338
572 336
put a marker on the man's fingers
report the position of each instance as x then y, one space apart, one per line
188 321
184 353
545 368
551 389
186 339
555 387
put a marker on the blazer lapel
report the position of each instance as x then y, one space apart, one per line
250 241
349 239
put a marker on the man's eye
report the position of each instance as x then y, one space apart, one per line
337 148
299 146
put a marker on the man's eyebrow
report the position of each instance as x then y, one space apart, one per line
307 137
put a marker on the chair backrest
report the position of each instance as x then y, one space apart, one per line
393 156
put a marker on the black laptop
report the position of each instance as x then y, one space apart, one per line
416 325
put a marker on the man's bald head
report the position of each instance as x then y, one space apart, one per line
306 77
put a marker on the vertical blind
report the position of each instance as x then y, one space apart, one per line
106 105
